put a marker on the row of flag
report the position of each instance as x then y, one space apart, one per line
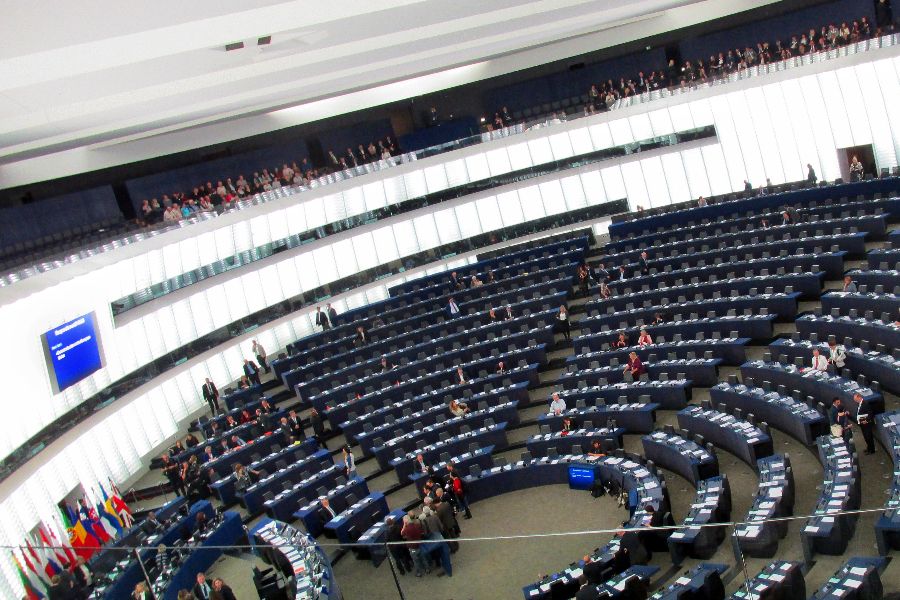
73 533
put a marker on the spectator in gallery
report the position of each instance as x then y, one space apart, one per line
856 169
747 186
811 174
172 214
884 14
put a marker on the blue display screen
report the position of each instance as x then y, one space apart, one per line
72 351
581 477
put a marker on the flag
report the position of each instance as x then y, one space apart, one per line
31 592
51 565
109 521
63 528
36 561
32 573
64 556
84 543
120 508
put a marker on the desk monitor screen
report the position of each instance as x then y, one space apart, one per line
581 477
72 351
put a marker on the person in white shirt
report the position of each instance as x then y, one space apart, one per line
837 355
819 362
557 404
453 307
644 339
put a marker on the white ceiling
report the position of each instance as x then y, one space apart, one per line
93 84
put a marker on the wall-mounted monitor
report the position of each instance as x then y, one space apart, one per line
72 351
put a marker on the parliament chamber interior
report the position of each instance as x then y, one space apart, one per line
451 300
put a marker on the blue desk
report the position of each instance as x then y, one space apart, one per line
439 432
731 351
884 258
887 527
758 536
419 337
875 226
872 331
337 413
781 580
746 441
684 216
481 458
376 535
493 435
615 587
224 488
667 394
283 479
297 556
859 303
246 432
349 524
265 444
856 579
380 421
756 327
702 372
782 412
682 456
283 504
818 384
711 505
671 288
703 582
240 398
784 306
826 532
336 390
235 412
889 279
206 552
312 515
511 382
633 417
575 442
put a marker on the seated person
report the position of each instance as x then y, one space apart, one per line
501 368
819 362
644 339
596 449
557 404
244 382
567 426
622 342
457 408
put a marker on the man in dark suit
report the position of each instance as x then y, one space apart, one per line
296 424
202 590
211 395
251 371
322 319
865 421
643 264
318 427
332 316
325 512
362 336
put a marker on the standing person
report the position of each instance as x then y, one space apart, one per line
864 420
221 591
811 174
332 316
413 532
322 319
837 355
839 419
211 395
172 472
635 366
452 307
459 492
252 371
318 427
562 317
349 462
260 353
399 552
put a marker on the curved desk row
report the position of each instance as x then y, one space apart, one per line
826 532
745 440
284 479
888 279
296 555
281 505
774 498
782 412
667 394
809 285
780 580
485 394
783 306
857 579
730 351
489 435
756 327
633 417
703 582
873 331
575 442
711 505
703 372
682 456
856 303
224 487
887 527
